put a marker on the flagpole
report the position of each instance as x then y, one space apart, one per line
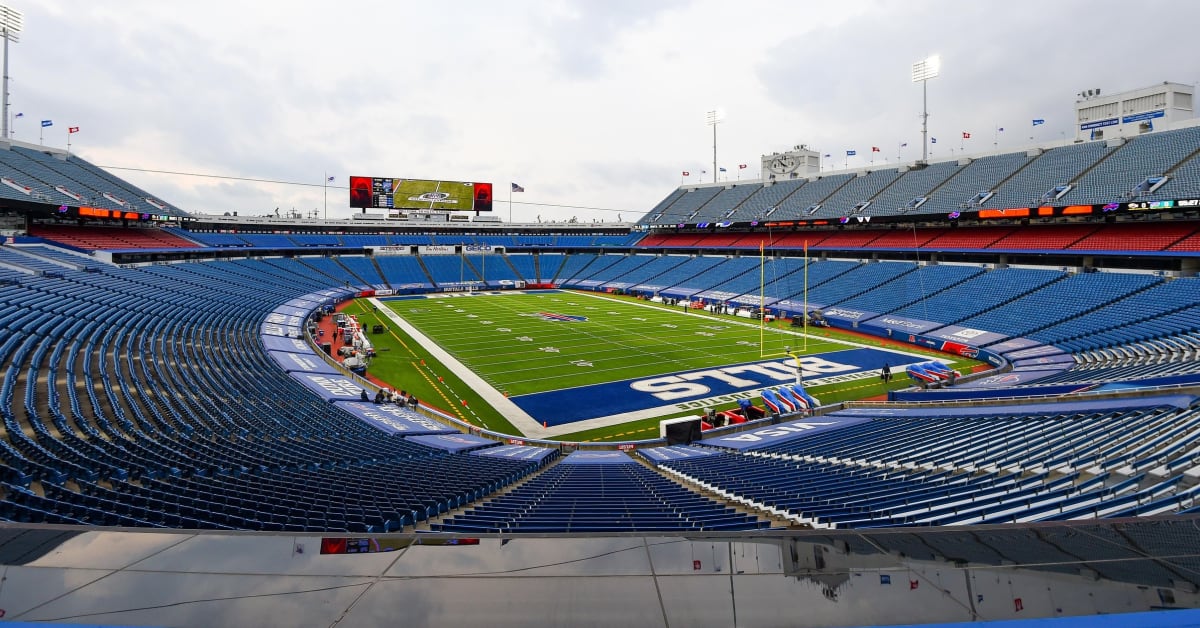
325 185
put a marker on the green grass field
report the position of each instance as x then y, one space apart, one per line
406 195
505 341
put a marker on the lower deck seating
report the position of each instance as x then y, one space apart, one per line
142 396
620 497
110 238
977 469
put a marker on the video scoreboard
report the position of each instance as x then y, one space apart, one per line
420 194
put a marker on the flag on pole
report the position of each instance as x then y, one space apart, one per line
966 136
1038 121
517 188
874 149
741 166
933 140
828 155
903 144
72 129
330 179
851 153
47 123
686 173
1000 130
722 169
19 115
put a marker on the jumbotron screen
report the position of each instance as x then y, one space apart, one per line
420 194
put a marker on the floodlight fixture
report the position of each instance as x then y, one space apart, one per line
713 118
922 71
12 22
926 69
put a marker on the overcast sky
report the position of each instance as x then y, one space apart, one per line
595 104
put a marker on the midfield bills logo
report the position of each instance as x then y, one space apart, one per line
551 316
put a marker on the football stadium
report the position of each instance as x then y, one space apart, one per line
939 390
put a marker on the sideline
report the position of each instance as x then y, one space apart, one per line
521 420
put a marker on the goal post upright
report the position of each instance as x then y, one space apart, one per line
762 297
804 314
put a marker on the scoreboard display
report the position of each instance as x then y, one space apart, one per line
420 194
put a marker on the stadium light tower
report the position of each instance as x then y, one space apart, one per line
11 23
713 118
922 71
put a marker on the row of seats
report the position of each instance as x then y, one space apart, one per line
1105 309
954 294
621 497
41 172
1121 236
977 469
301 240
110 238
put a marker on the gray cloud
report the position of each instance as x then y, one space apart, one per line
583 34
583 102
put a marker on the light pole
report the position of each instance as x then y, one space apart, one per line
922 71
11 24
713 118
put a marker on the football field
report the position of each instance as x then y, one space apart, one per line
431 195
575 360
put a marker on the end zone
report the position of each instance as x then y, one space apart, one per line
628 400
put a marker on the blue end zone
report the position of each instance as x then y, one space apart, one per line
559 407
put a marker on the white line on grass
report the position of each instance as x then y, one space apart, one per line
518 417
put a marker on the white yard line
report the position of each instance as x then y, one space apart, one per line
736 321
